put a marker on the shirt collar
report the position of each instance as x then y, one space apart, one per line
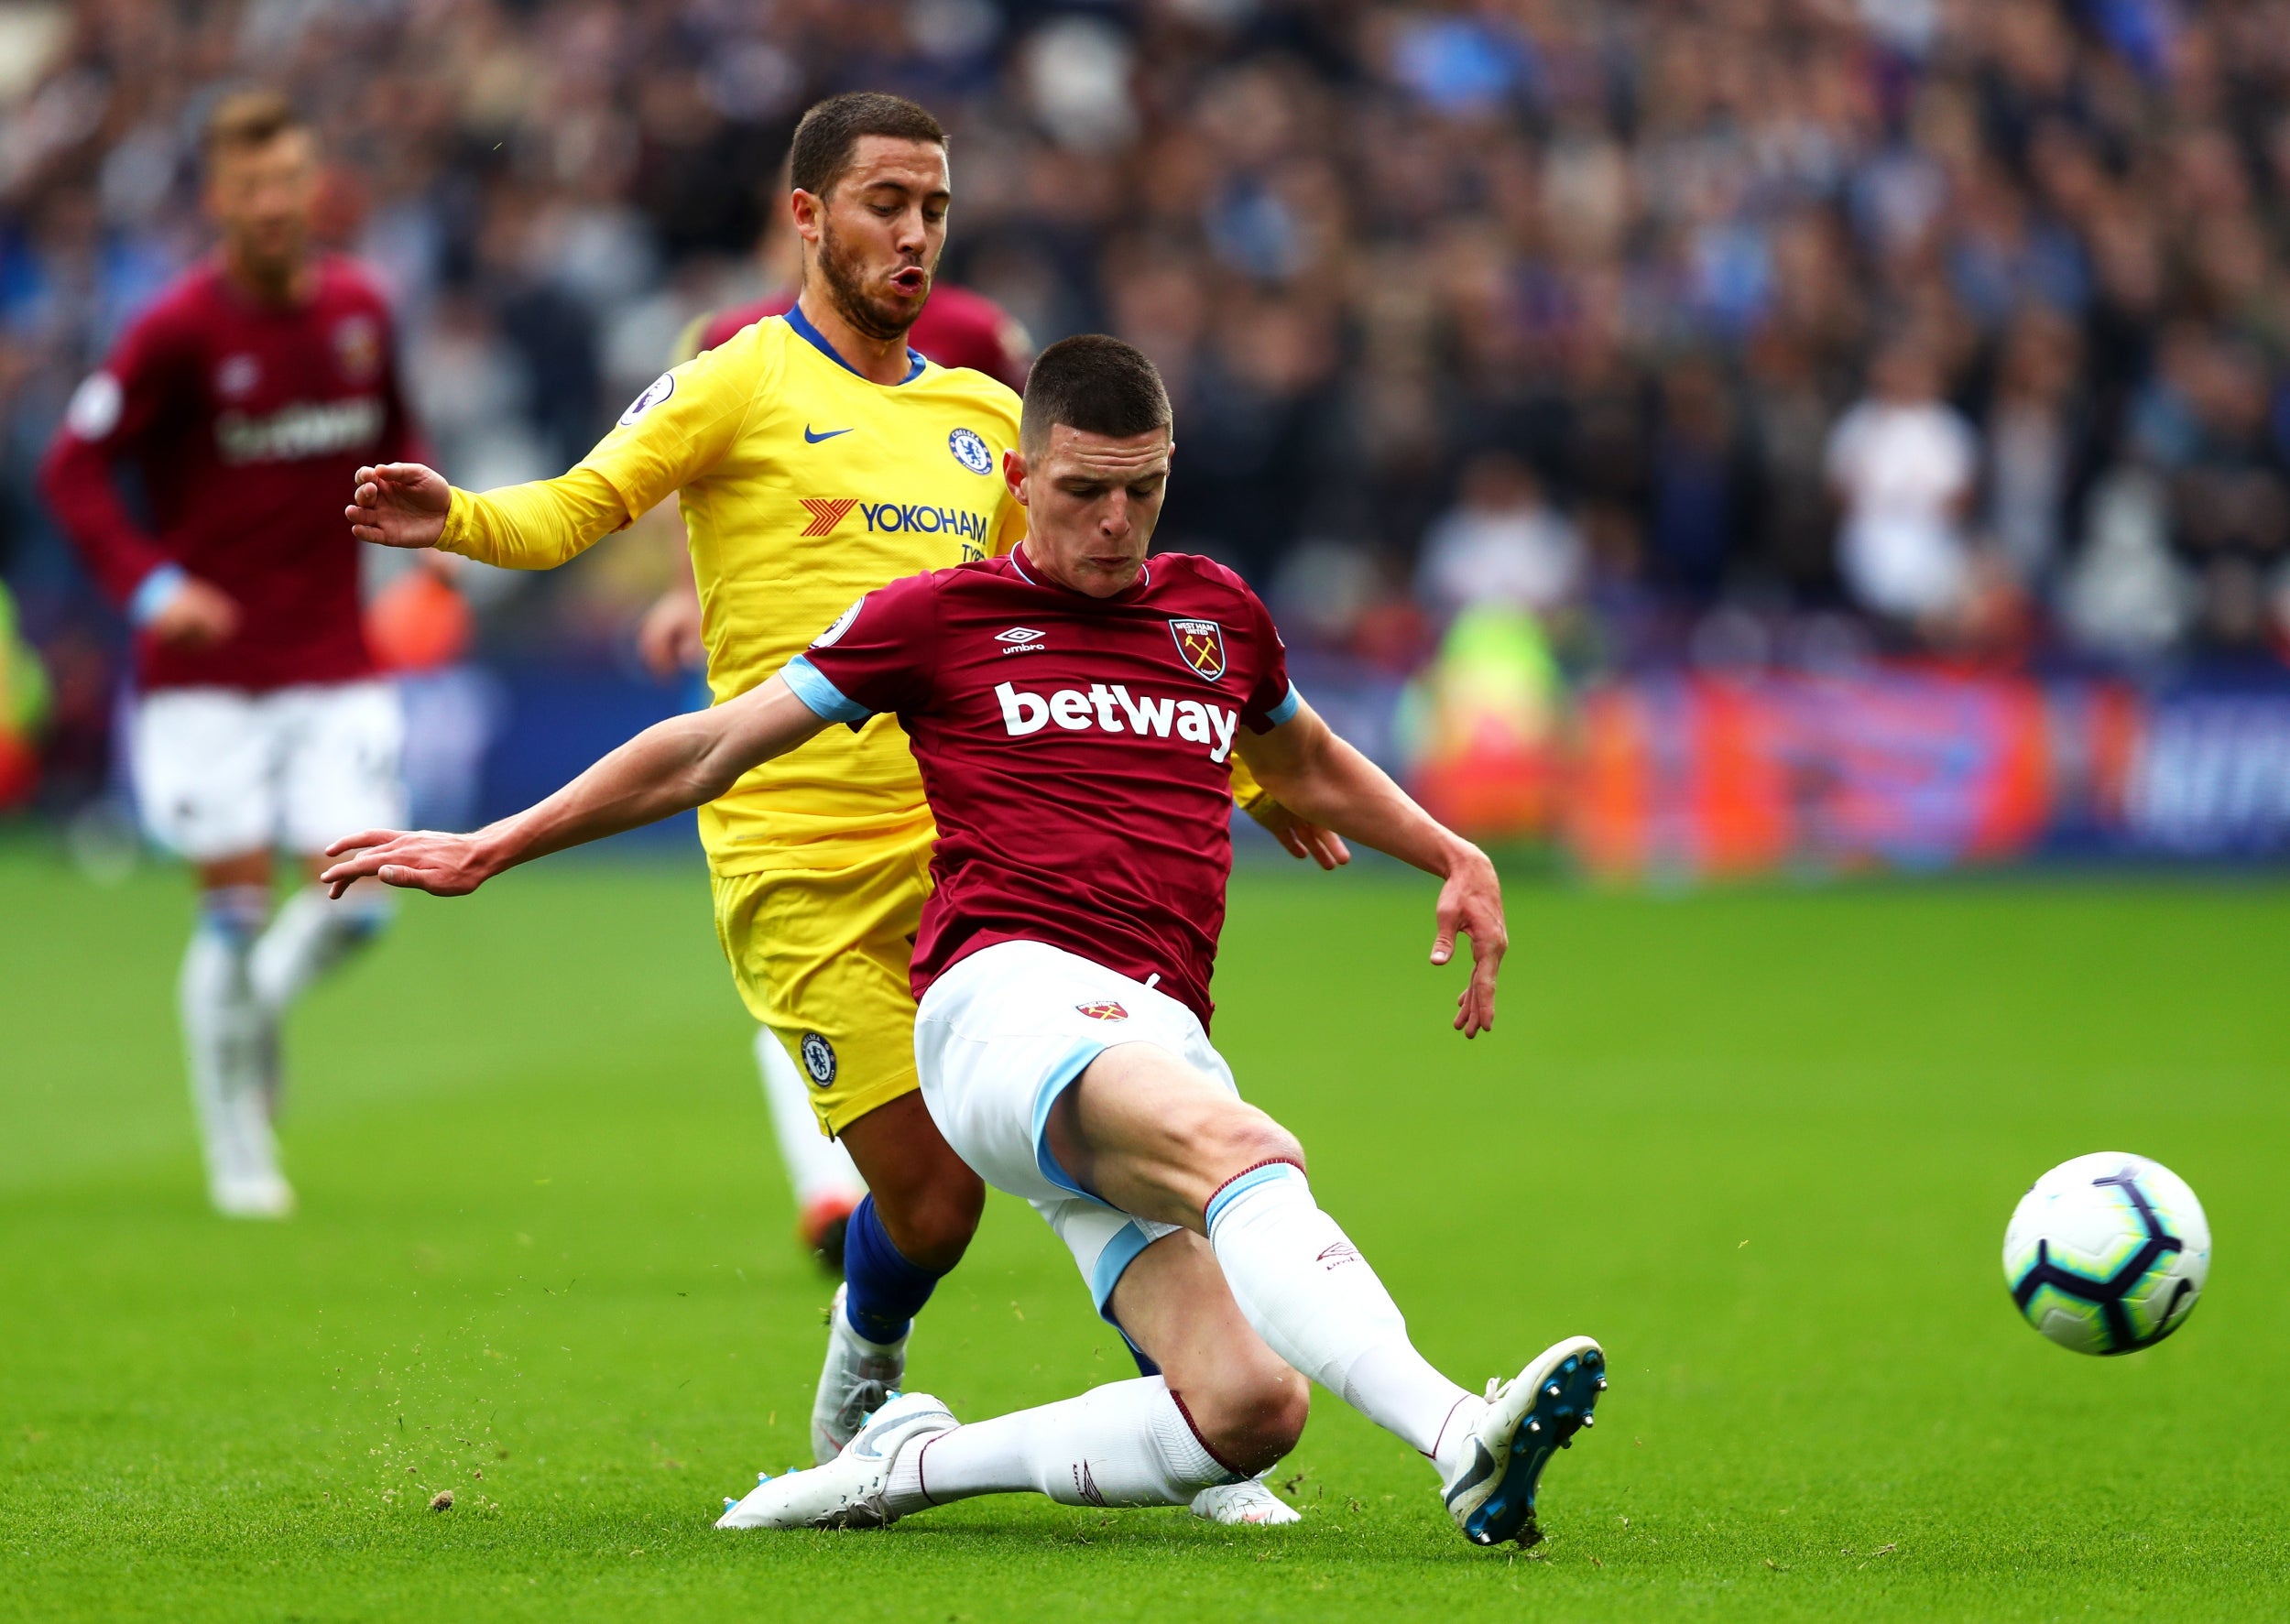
1134 589
818 341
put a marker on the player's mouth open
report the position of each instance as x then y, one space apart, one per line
912 279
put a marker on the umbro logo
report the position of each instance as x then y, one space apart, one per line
1020 639
1086 1485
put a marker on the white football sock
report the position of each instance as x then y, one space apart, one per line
226 1035
1317 1303
1127 1444
817 1166
311 935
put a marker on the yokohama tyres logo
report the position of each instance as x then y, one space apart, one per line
827 512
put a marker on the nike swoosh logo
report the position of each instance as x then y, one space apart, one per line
1482 1468
815 439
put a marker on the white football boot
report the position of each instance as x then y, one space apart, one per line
252 1195
848 1491
859 1375
243 1180
1491 1493
1247 1501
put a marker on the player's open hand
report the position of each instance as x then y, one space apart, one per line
1299 836
1471 904
399 504
423 860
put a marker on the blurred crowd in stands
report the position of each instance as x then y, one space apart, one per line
1707 331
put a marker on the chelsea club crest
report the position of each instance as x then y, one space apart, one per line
970 450
818 1059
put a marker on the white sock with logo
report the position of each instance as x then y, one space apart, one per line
817 1166
1127 1443
1314 1299
311 935
227 1035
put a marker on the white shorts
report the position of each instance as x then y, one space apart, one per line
219 772
1000 1036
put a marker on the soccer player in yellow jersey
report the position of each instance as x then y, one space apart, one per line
817 458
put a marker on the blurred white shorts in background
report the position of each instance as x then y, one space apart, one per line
219 772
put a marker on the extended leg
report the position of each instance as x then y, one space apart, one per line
1224 1406
1155 1137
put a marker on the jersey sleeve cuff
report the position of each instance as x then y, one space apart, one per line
826 701
452 535
153 594
1281 713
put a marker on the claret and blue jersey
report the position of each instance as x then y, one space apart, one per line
1076 752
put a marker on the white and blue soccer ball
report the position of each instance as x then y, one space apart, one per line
2107 1254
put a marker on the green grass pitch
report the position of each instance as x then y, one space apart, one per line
1763 1143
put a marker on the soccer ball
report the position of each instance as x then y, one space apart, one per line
2107 1254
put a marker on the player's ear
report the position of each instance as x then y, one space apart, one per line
805 210
1014 474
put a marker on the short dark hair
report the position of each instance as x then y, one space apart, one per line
247 119
1095 383
829 134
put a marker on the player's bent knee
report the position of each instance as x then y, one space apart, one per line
930 1221
1239 1138
1251 1420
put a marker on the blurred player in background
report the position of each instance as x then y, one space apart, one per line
241 403
957 328
817 457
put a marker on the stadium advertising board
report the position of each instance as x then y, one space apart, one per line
1707 776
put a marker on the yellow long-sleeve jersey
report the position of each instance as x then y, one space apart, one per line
803 487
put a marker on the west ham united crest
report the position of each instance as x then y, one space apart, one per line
1201 645
358 348
1106 1010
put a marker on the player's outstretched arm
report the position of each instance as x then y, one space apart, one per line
534 526
671 766
1320 777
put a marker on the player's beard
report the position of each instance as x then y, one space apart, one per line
879 319
273 263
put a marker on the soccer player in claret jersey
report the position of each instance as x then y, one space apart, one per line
815 457
1072 707
245 399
